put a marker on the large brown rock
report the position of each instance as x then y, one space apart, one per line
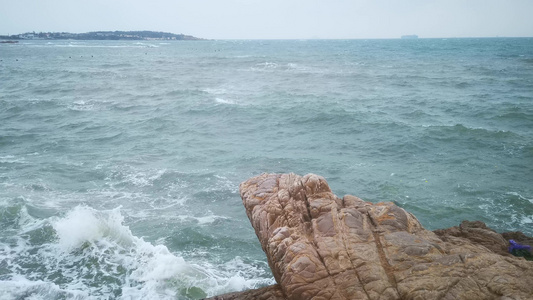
320 246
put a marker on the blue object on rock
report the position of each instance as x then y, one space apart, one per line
516 246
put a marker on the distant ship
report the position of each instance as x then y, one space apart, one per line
9 42
411 36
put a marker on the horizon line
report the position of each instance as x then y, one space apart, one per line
270 38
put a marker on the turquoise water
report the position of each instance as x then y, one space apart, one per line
120 161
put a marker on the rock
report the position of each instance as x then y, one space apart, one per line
320 246
478 233
272 292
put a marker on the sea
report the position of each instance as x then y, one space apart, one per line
120 161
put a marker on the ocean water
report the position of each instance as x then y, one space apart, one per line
120 161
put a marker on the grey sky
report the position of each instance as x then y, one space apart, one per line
275 19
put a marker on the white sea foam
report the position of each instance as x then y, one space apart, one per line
264 66
204 220
223 183
299 68
146 45
82 105
19 287
224 101
140 178
292 66
519 196
27 222
86 225
209 219
93 244
527 220
10 159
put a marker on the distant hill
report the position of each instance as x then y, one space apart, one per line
100 35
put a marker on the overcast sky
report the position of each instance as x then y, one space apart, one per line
275 19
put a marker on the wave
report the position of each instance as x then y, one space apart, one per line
91 254
516 117
446 132
11 159
140 178
502 213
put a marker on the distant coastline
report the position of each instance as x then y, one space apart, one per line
101 35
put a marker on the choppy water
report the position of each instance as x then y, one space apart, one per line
120 161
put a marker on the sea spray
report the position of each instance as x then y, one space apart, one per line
92 254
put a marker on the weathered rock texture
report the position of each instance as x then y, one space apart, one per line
272 292
320 246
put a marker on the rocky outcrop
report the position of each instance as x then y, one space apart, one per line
320 246
478 233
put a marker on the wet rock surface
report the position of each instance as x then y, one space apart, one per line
320 246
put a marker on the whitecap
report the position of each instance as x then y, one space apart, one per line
203 220
265 66
527 220
224 101
237 275
519 196
299 68
19 287
86 242
101 234
146 45
82 105
140 178
84 224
